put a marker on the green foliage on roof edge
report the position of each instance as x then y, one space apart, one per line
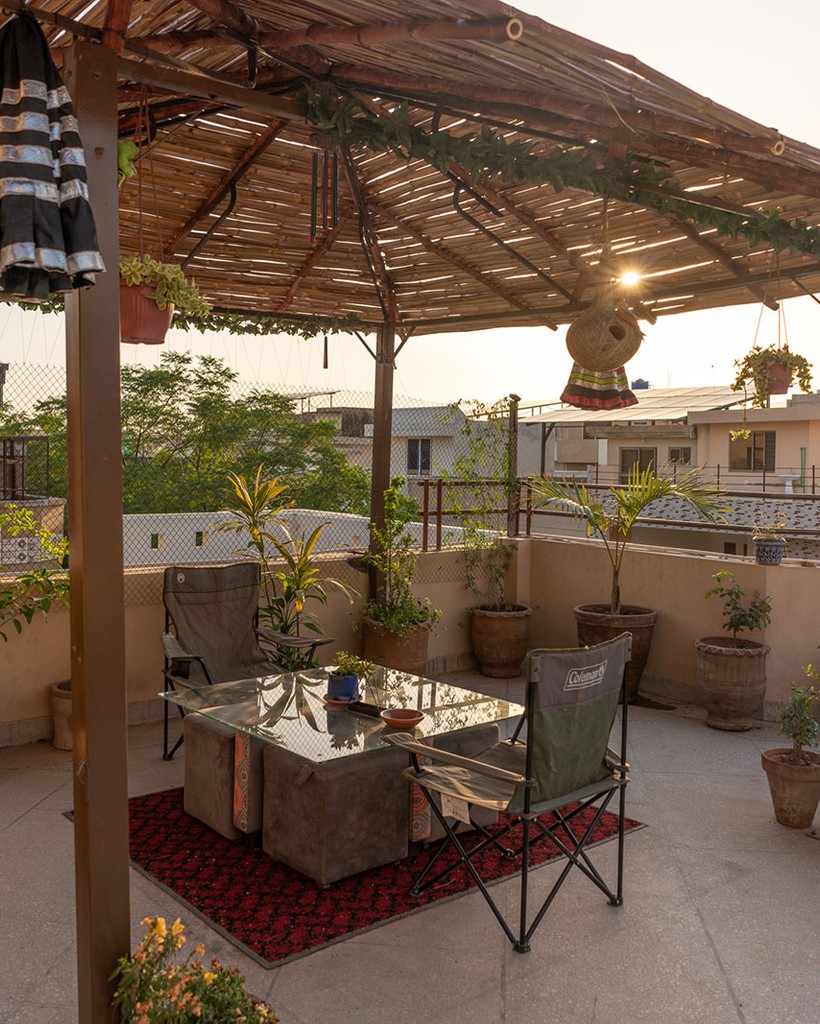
486 154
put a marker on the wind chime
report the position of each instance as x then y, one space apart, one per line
600 341
324 199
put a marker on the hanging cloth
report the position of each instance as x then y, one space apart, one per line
594 389
48 241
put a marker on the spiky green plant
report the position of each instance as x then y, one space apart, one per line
613 521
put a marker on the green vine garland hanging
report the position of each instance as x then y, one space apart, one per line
485 153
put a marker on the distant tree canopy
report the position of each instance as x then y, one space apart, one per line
185 426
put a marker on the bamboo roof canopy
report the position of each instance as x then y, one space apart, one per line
234 183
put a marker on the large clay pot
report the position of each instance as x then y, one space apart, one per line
731 677
141 320
61 715
795 788
406 652
779 378
595 624
500 640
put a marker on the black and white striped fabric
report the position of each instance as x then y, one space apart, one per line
48 241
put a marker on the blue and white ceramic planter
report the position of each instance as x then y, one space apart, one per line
769 550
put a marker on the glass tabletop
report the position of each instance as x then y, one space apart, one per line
290 710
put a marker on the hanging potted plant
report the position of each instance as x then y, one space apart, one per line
771 371
150 293
730 672
611 519
793 772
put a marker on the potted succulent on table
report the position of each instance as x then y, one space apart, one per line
343 678
396 623
150 293
730 672
770 545
612 521
771 371
794 773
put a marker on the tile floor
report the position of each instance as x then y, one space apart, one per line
721 923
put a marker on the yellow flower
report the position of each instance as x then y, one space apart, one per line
209 976
160 928
200 950
177 928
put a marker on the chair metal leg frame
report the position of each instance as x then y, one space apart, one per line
574 851
489 840
168 755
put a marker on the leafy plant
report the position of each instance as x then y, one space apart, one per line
391 554
613 521
754 368
738 616
286 591
170 284
351 665
153 988
35 590
797 721
481 479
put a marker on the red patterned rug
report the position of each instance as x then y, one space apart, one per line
269 910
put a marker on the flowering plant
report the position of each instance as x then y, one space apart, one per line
153 989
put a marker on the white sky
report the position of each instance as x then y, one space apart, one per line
756 58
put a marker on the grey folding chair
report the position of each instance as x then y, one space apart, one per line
213 612
566 767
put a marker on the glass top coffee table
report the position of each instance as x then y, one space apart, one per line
290 710
334 799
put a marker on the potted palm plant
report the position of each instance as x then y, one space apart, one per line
150 293
771 371
730 671
612 520
794 772
396 623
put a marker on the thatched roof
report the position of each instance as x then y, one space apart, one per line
514 251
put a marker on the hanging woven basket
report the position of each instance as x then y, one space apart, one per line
603 337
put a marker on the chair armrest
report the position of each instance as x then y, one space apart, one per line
299 643
406 742
613 760
173 649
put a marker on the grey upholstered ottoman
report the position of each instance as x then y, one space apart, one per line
332 819
223 784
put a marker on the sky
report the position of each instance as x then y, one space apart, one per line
754 58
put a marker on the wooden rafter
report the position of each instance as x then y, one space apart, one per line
443 253
369 239
552 103
248 158
495 30
117 15
225 13
313 259
724 259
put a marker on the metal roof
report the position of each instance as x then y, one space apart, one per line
654 404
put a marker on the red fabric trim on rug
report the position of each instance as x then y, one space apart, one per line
272 912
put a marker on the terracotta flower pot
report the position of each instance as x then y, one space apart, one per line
405 652
141 320
61 714
795 788
500 640
779 378
731 677
595 624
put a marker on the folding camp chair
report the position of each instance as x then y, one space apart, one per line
214 615
571 699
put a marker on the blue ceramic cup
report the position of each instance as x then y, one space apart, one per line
342 687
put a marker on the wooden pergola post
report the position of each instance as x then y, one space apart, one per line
96 560
382 425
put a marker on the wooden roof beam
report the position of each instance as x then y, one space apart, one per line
249 157
225 13
491 98
724 259
117 15
313 259
443 253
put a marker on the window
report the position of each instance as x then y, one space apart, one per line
680 456
642 458
418 456
156 541
755 452
199 539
